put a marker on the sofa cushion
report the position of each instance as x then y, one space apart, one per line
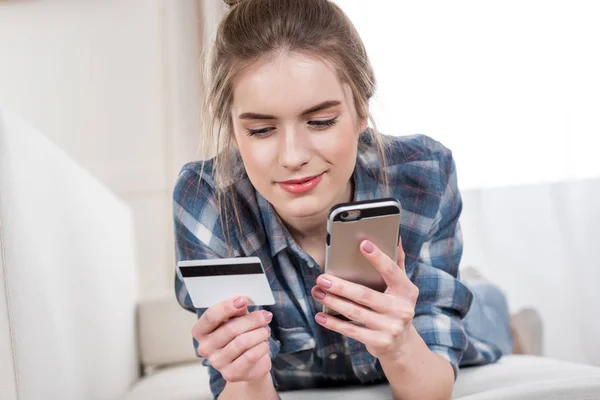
8 376
529 377
165 332
178 382
513 377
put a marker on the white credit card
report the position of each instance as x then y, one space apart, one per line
209 282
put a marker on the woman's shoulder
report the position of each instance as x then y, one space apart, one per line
416 149
195 184
209 207
420 158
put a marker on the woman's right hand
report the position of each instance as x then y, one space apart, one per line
234 341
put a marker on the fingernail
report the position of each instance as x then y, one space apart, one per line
268 329
326 283
368 247
319 294
320 318
239 302
268 316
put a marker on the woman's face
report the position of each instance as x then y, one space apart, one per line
297 131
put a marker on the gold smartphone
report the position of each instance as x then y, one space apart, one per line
348 224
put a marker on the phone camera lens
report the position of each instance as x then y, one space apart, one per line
344 215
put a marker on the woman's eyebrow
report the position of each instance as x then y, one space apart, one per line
322 106
319 107
251 115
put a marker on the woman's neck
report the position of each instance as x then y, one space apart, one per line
310 233
308 229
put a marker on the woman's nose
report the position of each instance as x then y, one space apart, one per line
295 149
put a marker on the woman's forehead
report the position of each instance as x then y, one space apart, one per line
287 84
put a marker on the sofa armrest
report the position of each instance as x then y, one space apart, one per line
69 283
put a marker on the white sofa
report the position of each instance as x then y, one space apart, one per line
72 325
514 377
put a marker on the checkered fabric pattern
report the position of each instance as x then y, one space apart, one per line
422 176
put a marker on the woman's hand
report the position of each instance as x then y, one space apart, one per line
235 342
387 316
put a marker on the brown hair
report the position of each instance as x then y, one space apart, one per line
254 29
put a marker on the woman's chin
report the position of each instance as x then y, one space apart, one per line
302 207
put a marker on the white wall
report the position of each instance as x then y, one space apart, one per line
115 84
89 74
512 87
539 244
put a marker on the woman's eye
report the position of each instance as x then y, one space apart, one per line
317 124
259 132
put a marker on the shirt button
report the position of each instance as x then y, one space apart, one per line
301 366
311 265
332 356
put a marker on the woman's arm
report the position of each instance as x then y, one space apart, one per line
385 327
420 373
418 343
231 376
261 389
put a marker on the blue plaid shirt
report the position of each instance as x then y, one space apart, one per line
422 177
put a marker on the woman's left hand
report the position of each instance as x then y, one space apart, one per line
387 317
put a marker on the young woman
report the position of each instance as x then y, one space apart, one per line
288 112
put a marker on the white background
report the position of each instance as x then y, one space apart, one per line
512 87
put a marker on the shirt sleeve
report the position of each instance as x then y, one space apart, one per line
198 236
443 300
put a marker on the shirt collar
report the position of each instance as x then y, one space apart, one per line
276 232
366 184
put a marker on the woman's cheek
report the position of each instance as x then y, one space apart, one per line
259 157
343 143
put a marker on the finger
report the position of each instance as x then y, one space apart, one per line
239 369
236 327
352 311
377 301
261 368
218 314
387 268
401 255
360 333
238 346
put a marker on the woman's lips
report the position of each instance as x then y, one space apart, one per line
301 186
